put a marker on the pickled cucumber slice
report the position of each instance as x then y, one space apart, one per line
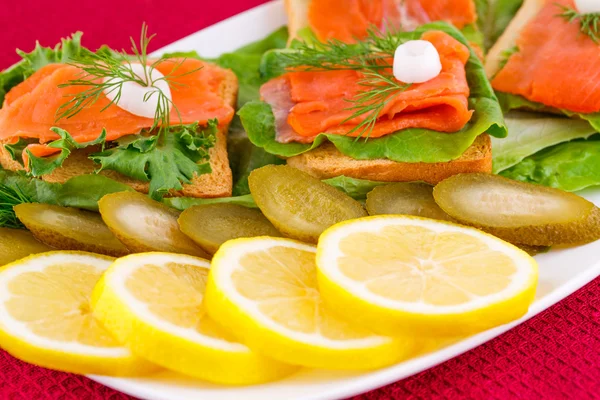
18 243
143 224
299 205
405 198
212 225
67 228
519 212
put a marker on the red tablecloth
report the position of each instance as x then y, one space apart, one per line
554 356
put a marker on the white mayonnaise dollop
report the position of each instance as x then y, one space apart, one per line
137 99
588 6
416 61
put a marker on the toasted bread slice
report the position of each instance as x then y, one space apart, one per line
526 13
297 11
327 162
216 184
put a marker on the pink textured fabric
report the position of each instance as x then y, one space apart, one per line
554 356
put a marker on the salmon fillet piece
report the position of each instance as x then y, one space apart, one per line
30 109
556 65
348 20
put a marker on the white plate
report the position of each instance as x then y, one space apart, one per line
562 272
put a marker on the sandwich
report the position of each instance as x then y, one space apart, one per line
349 21
334 109
546 63
158 125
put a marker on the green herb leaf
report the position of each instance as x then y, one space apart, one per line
84 191
589 24
39 166
570 166
166 160
532 132
10 197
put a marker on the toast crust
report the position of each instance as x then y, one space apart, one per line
216 184
327 162
526 13
297 11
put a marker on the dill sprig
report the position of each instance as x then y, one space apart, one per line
10 197
372 56
589 24
105 72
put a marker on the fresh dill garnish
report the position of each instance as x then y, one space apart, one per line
589 23
104 72
372 56
10 197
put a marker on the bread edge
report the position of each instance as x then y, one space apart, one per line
327 162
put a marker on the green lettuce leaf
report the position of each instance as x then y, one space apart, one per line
409 145
39 166
16 150
532 132
63 52
245 158
570 166
355 188
37 190
493 16
84 191
165 161
183 203
515 102
472 33
276 40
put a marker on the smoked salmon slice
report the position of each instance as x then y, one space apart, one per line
555 64
30 108
307 103
348 20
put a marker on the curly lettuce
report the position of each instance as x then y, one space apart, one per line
570 166
532 132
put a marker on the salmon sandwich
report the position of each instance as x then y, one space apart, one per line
528 66
350 20
157 125
407 106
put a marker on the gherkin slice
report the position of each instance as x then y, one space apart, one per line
299 205
211 225
143 224
519 212
19 243
67 228
408 198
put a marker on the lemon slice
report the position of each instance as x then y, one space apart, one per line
152 302
400 274
265 290
46 319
